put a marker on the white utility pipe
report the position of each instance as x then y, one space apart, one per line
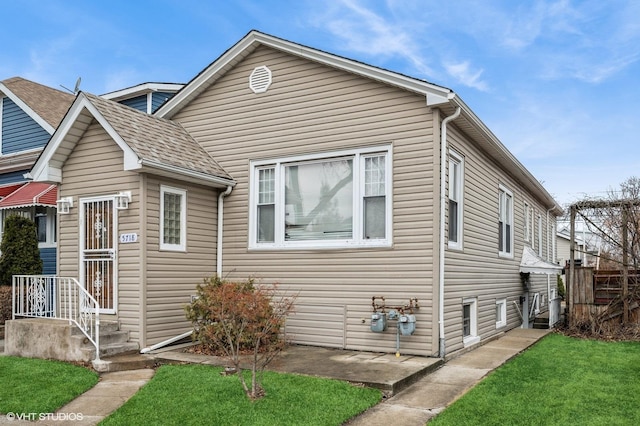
166 342
443 238
220 223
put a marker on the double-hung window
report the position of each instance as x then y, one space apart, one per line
456 176
505 222
540 235
173 219
337 200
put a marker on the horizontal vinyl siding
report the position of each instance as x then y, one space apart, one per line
95 168
311 108
478 271
158 98
139 103
19 131
172 276
13 177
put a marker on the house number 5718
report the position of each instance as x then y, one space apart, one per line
128 238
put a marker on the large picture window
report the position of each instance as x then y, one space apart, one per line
338 200
505 222
173 219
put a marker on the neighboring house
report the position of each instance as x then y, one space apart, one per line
586 246
145 97
338 180
29 114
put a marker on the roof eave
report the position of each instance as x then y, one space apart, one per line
514 166
184 174
434 94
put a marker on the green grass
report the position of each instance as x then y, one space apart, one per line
559 381
29 385
198 394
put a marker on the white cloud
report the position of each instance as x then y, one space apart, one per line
462 72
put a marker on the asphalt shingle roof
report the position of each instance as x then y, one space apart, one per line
50 104
157 140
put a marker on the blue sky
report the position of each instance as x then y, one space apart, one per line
556 81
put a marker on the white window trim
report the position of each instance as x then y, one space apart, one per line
502 305
455 157
503 253
473 338
540 235
183 219
527 222
51 227
358 206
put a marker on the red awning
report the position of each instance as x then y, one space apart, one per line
8 189
31 194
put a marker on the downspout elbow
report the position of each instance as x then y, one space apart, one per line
221 197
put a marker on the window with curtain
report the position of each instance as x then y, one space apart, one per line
333 200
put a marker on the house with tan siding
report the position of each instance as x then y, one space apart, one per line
354 187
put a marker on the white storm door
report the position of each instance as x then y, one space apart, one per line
98 230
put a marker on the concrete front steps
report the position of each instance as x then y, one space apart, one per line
113 341
132 360
58 339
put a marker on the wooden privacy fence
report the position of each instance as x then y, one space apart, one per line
596 296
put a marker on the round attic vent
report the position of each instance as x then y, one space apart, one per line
260 79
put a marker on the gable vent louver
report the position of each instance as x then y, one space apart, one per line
260 79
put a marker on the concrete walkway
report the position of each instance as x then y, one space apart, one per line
111 392
421 401
418 387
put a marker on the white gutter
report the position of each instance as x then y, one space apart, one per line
443 240
220 223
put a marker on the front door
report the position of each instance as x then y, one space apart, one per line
98 226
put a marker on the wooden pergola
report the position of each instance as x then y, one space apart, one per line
624 205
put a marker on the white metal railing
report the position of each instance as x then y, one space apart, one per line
554 311
45 296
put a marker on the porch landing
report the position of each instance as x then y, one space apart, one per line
58 339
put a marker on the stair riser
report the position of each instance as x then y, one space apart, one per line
105 339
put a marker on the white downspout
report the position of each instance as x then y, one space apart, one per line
219 243
443 239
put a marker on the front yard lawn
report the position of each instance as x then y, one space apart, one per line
199 394
559 381
29 385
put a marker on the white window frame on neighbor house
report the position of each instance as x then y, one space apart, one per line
527 222
370 185
456 199
182 244
501 313
505 222
539 235
471 337
34 213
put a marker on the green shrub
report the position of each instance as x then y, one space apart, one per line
238 318
19 247
561 291
5 303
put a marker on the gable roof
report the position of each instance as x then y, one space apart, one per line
47 106
149 144
435 96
